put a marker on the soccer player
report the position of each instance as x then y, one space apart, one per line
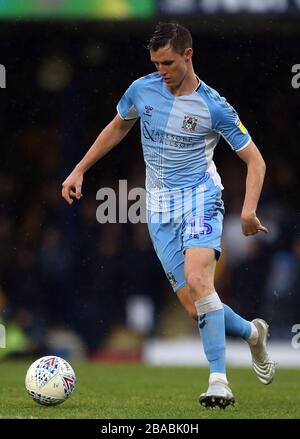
181 121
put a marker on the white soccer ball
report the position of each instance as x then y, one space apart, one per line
50 380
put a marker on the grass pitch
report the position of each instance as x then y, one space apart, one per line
126 391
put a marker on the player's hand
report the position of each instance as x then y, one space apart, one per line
71 187
251 224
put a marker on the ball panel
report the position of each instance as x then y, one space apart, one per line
44 399
50 380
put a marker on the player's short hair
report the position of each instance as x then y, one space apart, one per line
174 34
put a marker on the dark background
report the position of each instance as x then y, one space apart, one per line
59 268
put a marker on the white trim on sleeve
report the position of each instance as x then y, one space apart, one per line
131 112
244 146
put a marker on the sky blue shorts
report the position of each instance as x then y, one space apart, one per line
171 238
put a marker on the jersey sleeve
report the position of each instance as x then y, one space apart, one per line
226 121
125 107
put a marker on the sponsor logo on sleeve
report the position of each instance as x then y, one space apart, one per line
241 126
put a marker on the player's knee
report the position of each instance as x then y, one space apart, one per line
196 282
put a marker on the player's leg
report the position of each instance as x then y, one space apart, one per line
201 235
204 228
235 325
199 269
255 333
167 241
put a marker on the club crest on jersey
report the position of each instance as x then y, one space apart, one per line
189 123
148 110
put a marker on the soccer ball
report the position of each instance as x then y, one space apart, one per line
50 380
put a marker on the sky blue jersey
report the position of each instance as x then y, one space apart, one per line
179 134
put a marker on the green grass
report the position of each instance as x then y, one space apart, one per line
128 391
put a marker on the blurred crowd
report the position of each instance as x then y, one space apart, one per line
61 272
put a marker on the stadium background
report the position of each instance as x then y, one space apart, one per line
81 289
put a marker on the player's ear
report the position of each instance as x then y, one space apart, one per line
188 53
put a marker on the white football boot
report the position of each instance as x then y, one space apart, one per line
262 364
218 395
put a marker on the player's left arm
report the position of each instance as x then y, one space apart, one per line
256 169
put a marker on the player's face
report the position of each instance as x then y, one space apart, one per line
171 65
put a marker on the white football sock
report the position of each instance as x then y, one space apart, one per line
215 376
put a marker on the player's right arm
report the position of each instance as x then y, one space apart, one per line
111 135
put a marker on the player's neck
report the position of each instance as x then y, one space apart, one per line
189 84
